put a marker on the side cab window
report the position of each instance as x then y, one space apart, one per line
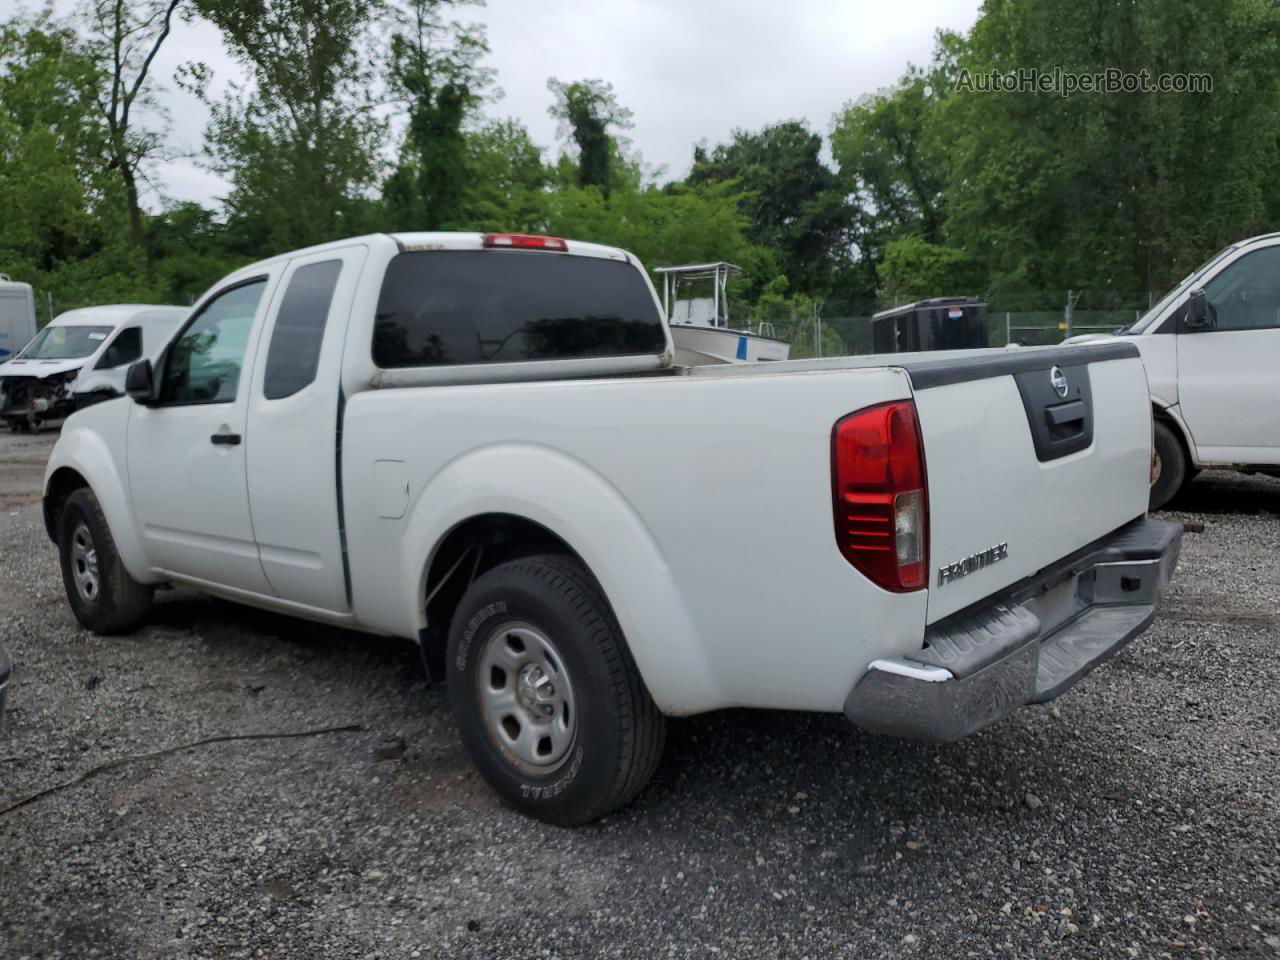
294 353
204 363
1246 294
125 348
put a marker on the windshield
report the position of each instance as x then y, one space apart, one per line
65 343
1150 316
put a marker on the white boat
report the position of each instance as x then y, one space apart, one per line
700 326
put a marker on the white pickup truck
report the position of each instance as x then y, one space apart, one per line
478 442
1211 347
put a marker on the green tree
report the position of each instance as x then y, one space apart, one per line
299 143
1119 193
787 194
189 249
660 226
507 180
124 38
587 111
892 162
435 70
914 269
63 227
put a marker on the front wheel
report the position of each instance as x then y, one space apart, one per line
103 596
1170 466
548 701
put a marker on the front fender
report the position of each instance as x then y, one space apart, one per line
585 510
1173 413
92 444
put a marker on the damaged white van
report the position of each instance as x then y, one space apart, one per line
81 358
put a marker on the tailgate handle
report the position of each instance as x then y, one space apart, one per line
1065 413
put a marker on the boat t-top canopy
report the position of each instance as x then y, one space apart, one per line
710 311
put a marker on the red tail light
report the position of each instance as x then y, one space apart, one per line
881 497
525 241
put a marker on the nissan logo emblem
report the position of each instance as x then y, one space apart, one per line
1058 380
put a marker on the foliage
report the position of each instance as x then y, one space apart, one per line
353 115
587 109
506 179
660 226
435 70
124 38
787 195
1116 194
300 145
62 212
892 158
915 269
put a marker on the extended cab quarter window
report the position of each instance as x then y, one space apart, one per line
1246 295
125 348
204 363
294 354
498 306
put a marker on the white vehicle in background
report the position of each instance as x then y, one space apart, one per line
480 443
1212 352
17 317
80 359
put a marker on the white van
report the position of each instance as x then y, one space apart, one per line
1212 352
81 358
17 317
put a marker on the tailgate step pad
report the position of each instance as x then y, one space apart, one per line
1095 636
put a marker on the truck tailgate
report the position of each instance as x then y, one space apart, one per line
1030 455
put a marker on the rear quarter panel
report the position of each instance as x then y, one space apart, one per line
703 506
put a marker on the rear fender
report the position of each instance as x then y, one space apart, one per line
581 507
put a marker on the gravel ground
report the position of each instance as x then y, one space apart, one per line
1136 817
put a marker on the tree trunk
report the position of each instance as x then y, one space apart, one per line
135 212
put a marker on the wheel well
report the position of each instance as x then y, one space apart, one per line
1162 415
468 550
62 484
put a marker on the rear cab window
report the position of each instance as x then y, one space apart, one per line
452 307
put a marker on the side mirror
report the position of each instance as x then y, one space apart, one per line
1198 317
139 382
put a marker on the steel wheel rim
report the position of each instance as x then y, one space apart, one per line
84 564
526 696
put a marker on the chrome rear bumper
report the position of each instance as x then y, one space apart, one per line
1027 644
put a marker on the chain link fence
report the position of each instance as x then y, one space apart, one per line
1030 328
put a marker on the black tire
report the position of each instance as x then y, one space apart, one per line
617 733
1171 461
109 601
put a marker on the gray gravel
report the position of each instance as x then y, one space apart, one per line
1137 816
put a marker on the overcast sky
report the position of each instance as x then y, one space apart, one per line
690 70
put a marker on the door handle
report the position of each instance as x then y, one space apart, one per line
226 439
1065 413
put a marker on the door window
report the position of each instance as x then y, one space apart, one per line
1246 295
294 354
125 348
203 365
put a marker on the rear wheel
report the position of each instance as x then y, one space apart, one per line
1170 466
102 594
548 701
